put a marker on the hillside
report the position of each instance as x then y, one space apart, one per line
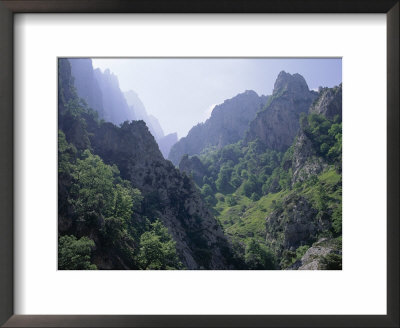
278 198
132 198
228 124
258 186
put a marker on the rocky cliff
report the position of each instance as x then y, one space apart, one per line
86 83
329 102
305 161
292 224
228 124
116 109
325 254
100 91
278 123
168 194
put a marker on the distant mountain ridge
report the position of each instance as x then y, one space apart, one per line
86 83
282 182
259 184
102 92
228 124
168 194
116 109
165 142
137 106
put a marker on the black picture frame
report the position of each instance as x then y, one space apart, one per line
10 7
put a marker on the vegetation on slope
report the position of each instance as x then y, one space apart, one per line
245 183
101 224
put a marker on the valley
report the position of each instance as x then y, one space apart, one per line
257 186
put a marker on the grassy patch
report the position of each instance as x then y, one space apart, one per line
246 219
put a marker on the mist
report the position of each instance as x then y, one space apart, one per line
181 92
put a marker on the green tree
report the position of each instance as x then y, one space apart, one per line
337 220
74 254
66 154
223 182
158 249
123 203
93 190
255 197
206 190
331 261
258 257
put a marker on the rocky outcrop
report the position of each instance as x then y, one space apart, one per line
168 194
277 125
329 102
228 124
324 254
305 161
293 223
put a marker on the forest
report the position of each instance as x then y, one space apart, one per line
257 186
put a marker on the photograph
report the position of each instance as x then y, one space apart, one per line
199 163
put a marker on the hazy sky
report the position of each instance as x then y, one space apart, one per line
181 92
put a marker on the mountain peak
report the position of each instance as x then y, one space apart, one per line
287 82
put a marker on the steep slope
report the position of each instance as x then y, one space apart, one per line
155 125
86 84
133 100
116 109
164 142
227 124
275 205
310 215
137 106
168 194
329 102
277 125
315 146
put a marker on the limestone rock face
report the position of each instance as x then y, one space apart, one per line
228 124
293 223
168 194
277 125
311 259
329 102
316 256
295 83
305 161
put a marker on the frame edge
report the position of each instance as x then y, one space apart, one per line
6 165
393 167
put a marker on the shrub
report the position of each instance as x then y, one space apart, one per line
74 254
331 261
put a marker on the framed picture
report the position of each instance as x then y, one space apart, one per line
240 222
